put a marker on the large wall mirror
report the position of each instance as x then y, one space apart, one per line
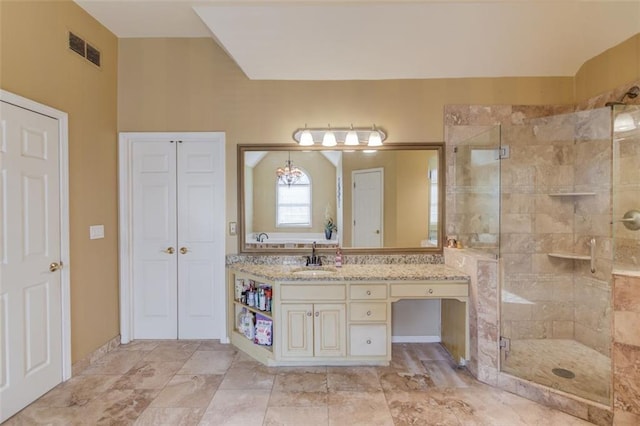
386 200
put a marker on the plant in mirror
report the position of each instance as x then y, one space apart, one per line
386 201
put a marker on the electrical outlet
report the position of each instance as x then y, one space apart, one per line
233 228
96 232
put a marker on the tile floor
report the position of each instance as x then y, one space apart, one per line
207 383
534 359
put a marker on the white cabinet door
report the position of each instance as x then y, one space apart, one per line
177 229
296 330
329 330
30 293
309 330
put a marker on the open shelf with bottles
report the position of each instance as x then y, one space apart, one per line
250 318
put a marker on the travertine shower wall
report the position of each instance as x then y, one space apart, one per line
551 151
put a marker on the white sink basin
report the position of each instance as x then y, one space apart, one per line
314 272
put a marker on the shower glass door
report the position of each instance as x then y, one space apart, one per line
626 189
555 252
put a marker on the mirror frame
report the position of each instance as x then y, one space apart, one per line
438 146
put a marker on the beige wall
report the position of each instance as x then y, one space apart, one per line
616 66
36 64
191 84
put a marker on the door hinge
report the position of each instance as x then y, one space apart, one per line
505 345
503 152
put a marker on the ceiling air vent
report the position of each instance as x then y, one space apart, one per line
84 49
93 55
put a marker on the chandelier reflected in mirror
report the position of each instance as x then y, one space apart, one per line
289 174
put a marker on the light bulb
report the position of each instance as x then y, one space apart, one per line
374 138
351 138
306 138
329 139
623 122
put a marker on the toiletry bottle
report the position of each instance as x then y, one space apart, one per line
338 258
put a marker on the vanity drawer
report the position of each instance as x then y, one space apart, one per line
309 292
429 290
368 340
368 311
368 291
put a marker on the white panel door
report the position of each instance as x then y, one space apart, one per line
367 208
200 237
177 230
30 294
329 330
154 232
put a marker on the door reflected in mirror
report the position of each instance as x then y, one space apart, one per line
388 200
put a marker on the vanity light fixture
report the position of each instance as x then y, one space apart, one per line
289 174
329 138
349 136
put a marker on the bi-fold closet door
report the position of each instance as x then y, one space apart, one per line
177 235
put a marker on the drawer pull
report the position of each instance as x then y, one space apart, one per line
368 341
368 313
430 291
308 314
368 292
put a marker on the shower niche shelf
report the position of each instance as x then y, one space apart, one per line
571 194
572 256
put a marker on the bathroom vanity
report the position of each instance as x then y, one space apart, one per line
341 316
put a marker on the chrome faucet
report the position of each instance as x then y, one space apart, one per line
261 236
314 260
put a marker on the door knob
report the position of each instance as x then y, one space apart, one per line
169 250
183 250
54 266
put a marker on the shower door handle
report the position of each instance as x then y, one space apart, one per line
592 254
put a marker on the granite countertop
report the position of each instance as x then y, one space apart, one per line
370 272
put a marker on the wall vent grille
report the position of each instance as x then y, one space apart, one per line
93 55
84 49
76 44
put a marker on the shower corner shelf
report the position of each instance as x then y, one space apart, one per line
573 256
570 194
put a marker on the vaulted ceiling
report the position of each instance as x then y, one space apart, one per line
364 40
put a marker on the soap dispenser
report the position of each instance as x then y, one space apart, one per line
338 258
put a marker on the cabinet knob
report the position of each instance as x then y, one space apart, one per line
368 341
368 292
169 250
184 250
317 314
368 313
430 291
308 314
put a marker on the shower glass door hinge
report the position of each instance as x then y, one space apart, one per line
505 345
503 152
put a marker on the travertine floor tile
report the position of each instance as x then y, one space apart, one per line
142 384
170 416
236 407
362 379
359 408
256 378
307 416
188 391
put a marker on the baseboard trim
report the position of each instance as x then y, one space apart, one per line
80 365
415 339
